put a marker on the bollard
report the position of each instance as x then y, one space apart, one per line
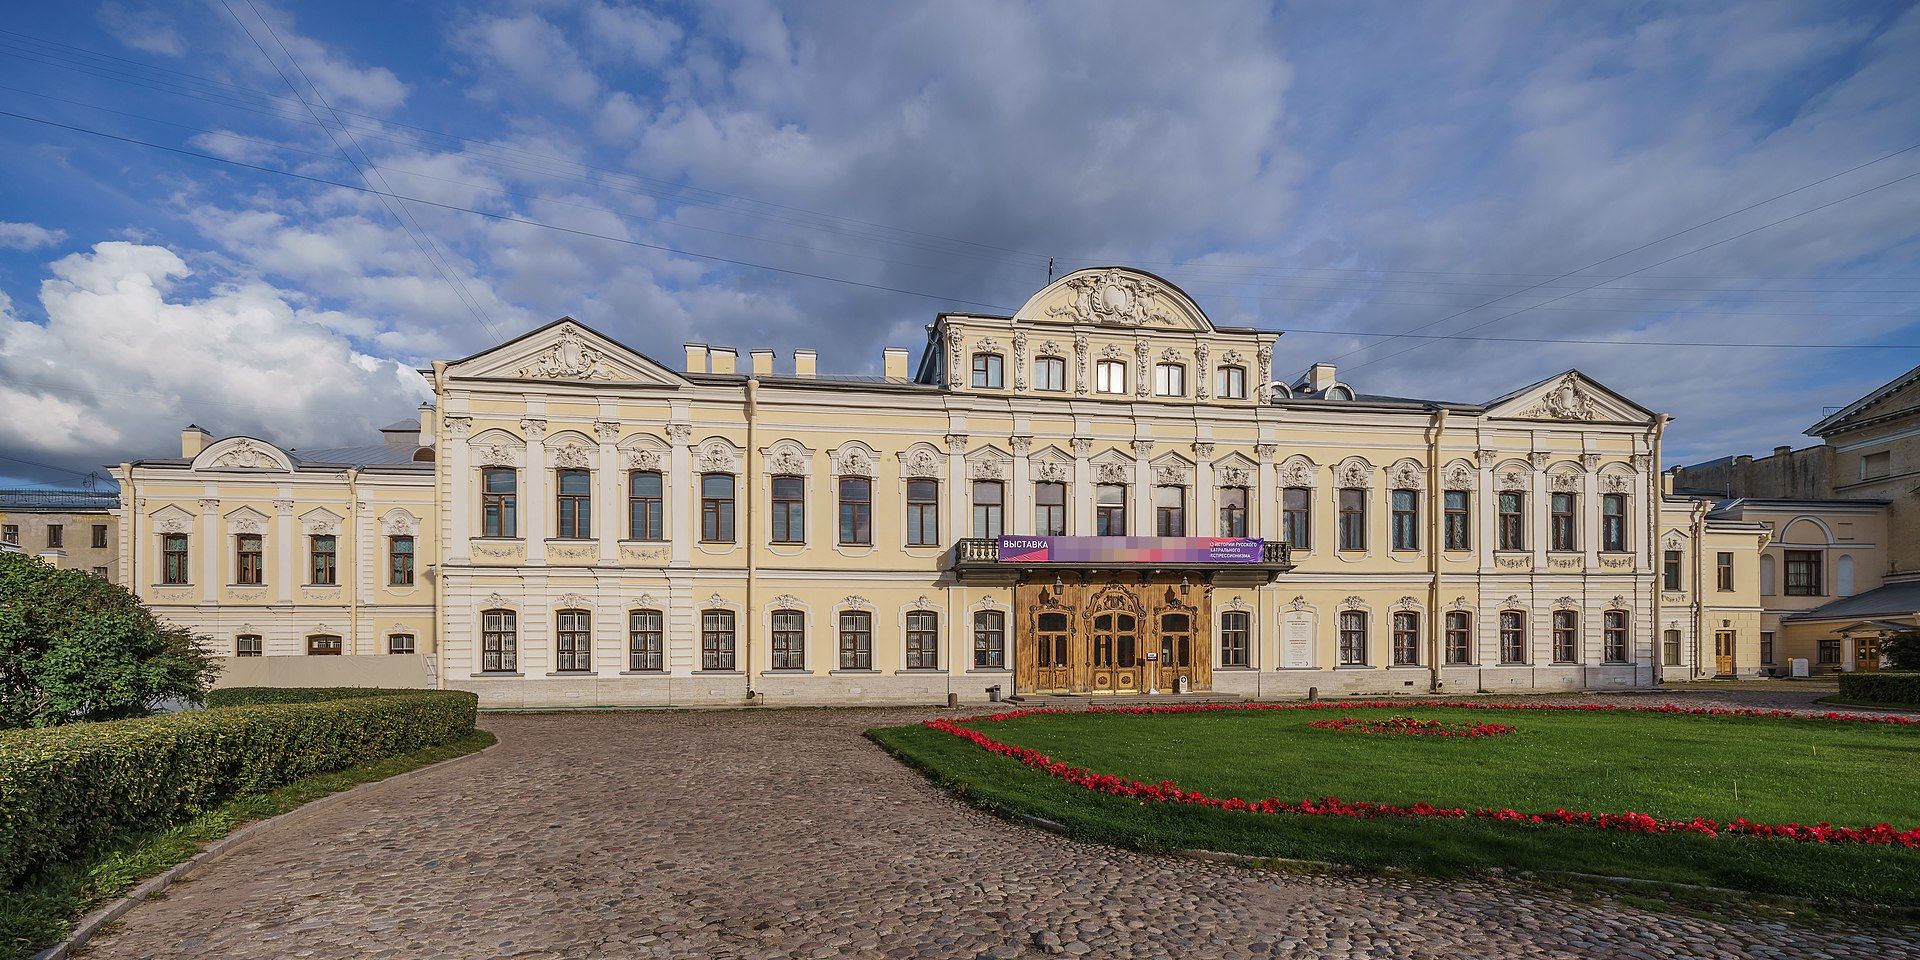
1313 694
953 700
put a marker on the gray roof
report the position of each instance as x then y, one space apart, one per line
365 455
1894 599
58 501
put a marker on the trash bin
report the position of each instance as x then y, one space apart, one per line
993 694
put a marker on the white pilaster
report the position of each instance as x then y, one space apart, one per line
1141 523
683 498
1020 504
283 533
533 506
610 522
465 504
1206 521
212 547
1082 500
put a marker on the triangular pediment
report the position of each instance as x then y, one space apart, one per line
1891 400
1571 397
567 351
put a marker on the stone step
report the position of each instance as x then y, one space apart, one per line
1076 701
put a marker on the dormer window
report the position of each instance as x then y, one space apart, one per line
989 371
1230 383
1110 376
1049 373
1169 380
1339 392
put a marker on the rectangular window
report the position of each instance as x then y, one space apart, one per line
1049 373
99 536
99 571
10 533
499 642
400 561
989 640
716 508
1110 510
1613 522
1459 638
1234 637
646 506
248 560
1353 518
1670 648
1670 570
923 640
856 511
923 513
1766 647
323 552
1233 511
1296 514
1457 521
646 641
173 557
987 508
1614 628
716 640
498 499
789 520
1406 520
1230 383
856 640
1723 572
1353 638
1406 639
1512 521
1050 509
323 645
573 642
1829 652
56 535
1513 637
1873 466
573 503
988 371
248 645
1170 511
1110 376
1562 526
400 643
1566 636
1803 573
1169 380
789 640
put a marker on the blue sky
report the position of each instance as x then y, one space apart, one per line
1325 169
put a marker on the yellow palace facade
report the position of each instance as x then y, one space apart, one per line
1103 493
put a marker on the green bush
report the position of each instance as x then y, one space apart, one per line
65 791
1902 650
74 647
1888 687
253 696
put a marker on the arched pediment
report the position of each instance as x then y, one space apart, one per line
243 454
1117 297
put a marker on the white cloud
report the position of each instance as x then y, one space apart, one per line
141 28
28 236
342 82
123 362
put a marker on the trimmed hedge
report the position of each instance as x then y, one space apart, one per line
65 791
1901 687
253 696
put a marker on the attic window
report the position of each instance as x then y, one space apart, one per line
423 455
1339 392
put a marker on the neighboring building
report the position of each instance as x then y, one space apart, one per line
594 527
1846 515
71 529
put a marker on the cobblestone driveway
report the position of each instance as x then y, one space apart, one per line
783 834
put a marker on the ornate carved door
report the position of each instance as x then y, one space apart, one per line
1115 652
1053 670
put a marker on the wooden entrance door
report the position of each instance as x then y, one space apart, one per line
1053 670
1723 653
1115 665
1092 633
1866 654
1175 656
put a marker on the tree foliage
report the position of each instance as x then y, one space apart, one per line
75 647
1902 650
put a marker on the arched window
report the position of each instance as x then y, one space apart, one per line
856 511
923 640
646 506
1768 586
1406 639
1049 373
990 640
1169 380
1459 637
716 640
789 520
499 642
1566 636
1614 628
1110 376
988 371
789 640
1230 383
1513 637
1339 392
646 640
1353 638
572 642
856 640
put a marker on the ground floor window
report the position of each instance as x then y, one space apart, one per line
400 643
1406 639
1670 648
1614 624
989 640
573 648
789 640
1830 651
1233 639
716 640
1353 639
1766 647
923 640
1459 637
646 640
1513 637
856 640
247 645
1566 636
499 642
323 645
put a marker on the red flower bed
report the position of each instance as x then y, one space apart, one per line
1413 726
1166 791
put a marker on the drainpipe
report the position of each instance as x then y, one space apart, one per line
1656 495
752 496
1699 587
1436 510
353 582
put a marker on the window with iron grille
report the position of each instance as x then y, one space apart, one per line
646 640
1614 639
400 643
499 642
789 640
1406 638
716 640
856 640
1513 637
573 642
989 640
923 640
1459 637
1566 636
248 645
1353 638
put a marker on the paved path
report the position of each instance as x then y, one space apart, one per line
783 834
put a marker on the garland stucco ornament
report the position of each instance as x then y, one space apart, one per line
1117 297
572 358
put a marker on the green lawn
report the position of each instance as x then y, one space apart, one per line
1671 766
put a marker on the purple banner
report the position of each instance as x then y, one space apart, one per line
1142 550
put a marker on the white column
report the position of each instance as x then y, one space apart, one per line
1082 500
284 574
460 477
212 547
610 519
956 485
533 505
683 498
1206 521
1020 504
1142 524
